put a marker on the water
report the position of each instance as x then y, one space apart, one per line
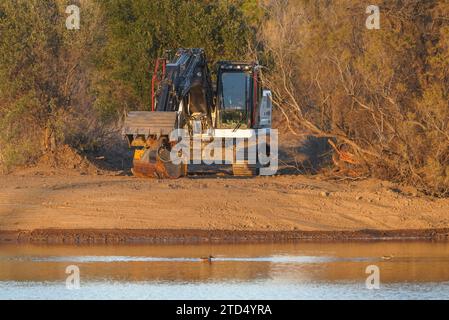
408 270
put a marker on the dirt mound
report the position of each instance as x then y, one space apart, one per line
68 158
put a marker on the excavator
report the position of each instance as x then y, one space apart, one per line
184 98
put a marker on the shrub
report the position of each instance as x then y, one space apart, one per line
380 96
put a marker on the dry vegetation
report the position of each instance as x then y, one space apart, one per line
381 97
46 76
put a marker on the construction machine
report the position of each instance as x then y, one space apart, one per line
231 113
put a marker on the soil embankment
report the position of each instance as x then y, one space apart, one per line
64 206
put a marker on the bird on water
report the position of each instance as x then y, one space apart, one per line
207 259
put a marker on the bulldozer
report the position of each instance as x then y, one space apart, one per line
232 112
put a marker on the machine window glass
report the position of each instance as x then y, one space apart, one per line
235 90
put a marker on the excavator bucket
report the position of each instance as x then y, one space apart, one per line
154 162
144 130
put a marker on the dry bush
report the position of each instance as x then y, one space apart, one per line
45 97
379 96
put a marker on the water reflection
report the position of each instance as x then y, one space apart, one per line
276 266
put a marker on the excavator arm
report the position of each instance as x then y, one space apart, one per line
187 72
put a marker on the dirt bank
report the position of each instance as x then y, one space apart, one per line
65 206
175 236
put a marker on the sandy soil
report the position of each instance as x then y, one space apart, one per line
65 200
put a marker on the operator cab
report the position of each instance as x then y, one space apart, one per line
238 95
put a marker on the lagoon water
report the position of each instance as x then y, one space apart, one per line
407 270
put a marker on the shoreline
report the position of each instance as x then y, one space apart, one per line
69 208
197 236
